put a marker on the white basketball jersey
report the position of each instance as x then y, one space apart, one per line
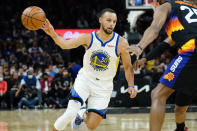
101 59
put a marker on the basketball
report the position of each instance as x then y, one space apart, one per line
33 18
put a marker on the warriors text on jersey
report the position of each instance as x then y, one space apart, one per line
101 59
181 26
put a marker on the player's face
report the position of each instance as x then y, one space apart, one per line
108 22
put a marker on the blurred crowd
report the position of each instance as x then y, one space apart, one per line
35 71
26 87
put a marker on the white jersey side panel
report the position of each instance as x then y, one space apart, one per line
101 59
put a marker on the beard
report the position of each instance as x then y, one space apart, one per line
106 31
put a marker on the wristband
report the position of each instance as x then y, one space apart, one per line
131 86
140 47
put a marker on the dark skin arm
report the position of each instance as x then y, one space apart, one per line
160 16
141 62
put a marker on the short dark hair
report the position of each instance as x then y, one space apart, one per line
106 10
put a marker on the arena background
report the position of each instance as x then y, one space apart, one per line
24 52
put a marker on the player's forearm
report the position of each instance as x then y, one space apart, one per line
149 36
129 74
157 51
60 41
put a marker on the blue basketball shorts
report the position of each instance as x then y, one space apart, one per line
181 73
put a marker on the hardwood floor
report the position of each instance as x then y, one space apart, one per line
43 120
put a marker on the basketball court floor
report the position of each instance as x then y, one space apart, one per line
42 120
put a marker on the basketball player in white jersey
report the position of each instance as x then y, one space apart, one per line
95 80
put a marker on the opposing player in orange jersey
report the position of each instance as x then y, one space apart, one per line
180 21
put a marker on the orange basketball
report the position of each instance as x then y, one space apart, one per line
33 18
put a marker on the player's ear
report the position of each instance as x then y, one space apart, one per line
100 20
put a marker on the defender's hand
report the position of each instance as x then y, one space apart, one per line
48 29
138 64
132 92
135 50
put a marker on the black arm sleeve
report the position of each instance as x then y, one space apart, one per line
157 51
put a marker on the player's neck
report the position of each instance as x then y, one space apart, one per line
104 36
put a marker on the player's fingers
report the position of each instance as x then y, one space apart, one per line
142 65
47 21
128 48
139 65
131 49
135 65
43 26
137 56
133 94
132 53
129 91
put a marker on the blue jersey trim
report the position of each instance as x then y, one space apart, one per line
185 59
100 112
104 44
76 95
116 48
91 41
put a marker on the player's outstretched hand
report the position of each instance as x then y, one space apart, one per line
135 50
48 28
138 64
132 92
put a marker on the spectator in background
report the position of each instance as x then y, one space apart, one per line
45 83
28 96
59 75
21 73
63 81
66 81
2 60
39 73
45 86
32 82
6 74
74 68
3 89
66 86
56 58
50 70
12 58
53 95
46 57
58 78
13 85
35 48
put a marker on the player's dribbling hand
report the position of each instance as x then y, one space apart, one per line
135 50
48 28
132 92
